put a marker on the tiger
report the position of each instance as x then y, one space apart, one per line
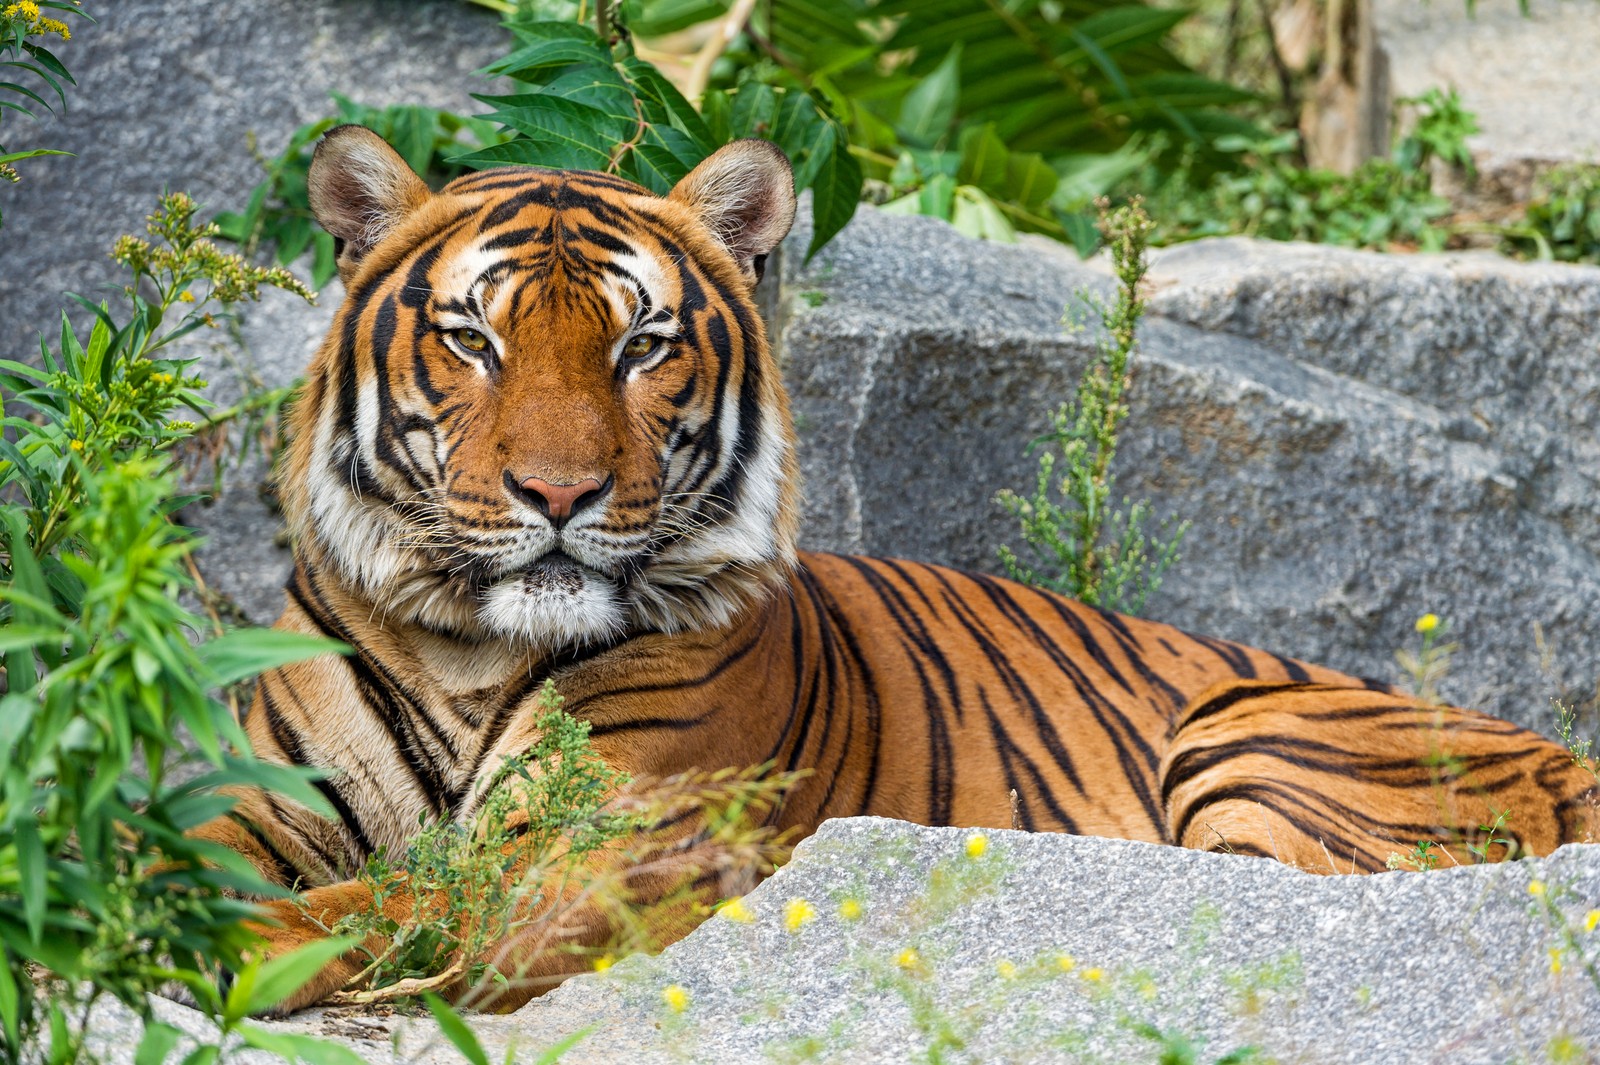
546 439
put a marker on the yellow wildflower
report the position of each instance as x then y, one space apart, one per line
1555 959
1007 970
1427 623
186 296
676 996
908 959
1094 976
850 910
1536 888
797 913
1591 920
1066 962
735 910
76 445
1147 988
604 962
977 845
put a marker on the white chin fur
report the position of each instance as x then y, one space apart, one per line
553 617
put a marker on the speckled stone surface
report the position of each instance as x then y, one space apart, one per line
1073 950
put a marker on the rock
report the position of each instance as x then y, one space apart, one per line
1526 76
1358 439
1052 948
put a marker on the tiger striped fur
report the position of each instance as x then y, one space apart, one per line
545 439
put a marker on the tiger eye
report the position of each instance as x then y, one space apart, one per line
639 347
471 339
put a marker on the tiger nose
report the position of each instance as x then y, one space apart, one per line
558 502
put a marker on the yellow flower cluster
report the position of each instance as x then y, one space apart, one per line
35 24
676 996
798 912
909 959
735 910
850 910
1427 623
1591 920
604 962
1006 970
1536 888
977 845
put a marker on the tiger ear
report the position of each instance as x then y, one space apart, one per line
744 193
360 189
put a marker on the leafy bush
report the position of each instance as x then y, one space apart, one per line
525 861
1563 221
39 67
100 891
1082 547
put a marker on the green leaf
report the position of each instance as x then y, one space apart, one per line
983 158
32 869
835 193
10 1002
930 108
158 1042
292 1046
456 1030
280 977
204 1054
245 652
545 54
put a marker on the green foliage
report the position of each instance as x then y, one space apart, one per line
461 876
518 865
278 214
584 100
100 891
24 26
1439 130
1270 195
1081 547
1563 220
998 118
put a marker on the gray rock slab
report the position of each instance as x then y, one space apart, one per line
1051 948
1358 439
1529 78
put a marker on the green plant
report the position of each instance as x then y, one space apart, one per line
1422 857
522 863
19 22
1426 668
1563 220
100 891
1439 130
278 214
1081 546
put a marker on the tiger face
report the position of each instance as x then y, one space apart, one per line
546 412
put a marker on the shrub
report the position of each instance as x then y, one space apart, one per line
100 891
1080 546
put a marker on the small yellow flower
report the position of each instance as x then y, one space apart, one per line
186 297
1555 959
1007 970
850 910
977 845
76 445
1536 888
1427 623
1147 988
908 959
1094 976
604 962
676 996
1591 920
735 910
1066 962
797 913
